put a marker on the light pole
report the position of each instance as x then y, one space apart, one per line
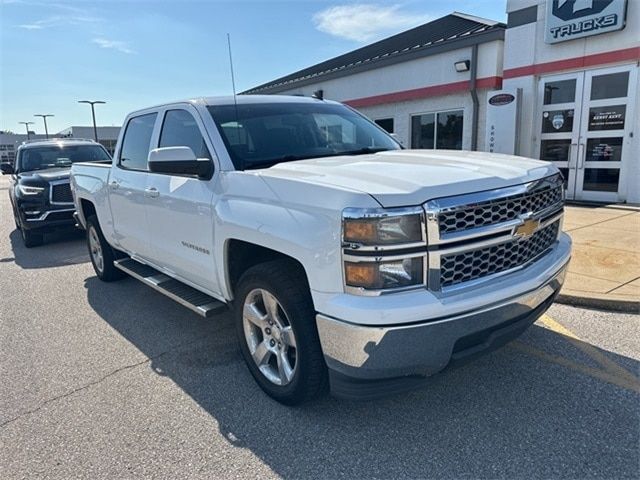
44 117
93 114
26 125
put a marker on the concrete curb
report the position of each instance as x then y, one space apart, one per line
599 302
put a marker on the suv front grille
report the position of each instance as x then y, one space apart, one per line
497 211
61 193
474 264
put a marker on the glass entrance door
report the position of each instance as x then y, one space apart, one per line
560 124
605 134
586 129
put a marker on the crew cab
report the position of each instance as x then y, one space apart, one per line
349 262
39 191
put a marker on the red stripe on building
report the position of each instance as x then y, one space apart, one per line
577 62
424 92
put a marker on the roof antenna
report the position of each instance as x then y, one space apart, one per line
235 100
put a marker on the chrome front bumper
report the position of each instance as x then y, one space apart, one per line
365 353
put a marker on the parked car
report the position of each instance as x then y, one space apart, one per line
39 190
349 262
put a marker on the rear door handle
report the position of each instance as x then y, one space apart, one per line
151 192
114 185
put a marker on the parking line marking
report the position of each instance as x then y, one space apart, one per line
600 358
570 364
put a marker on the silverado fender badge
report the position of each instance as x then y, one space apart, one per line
527 228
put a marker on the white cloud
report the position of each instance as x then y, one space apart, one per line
118 45
59 21
365 22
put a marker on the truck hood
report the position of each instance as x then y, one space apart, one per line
410 177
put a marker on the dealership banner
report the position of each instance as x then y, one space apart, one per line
570 19
503 121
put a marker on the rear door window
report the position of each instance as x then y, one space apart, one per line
137 142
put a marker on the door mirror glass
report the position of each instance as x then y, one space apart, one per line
6 168
178 161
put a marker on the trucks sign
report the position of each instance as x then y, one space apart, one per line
571 19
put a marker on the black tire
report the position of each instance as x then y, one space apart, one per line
286 281
17 220
31 239
105 270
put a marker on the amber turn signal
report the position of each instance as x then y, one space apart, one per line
361 274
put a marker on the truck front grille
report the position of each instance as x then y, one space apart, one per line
61 193
497 211
474 264
472 237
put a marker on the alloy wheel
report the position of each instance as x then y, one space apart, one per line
269 336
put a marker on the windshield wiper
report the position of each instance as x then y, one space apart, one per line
364 150
290 158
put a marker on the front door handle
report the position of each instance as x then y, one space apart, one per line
572 156
151 192
581 155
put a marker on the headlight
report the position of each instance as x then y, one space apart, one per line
382 226
26 190
384 274
383 249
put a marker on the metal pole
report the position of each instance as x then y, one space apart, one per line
95 129
26 125
93 115
44 117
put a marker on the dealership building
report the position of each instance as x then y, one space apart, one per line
559 81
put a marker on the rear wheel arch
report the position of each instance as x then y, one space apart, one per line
87 209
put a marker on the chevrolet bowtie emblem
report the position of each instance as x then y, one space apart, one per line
528 228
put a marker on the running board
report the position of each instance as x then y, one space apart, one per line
195 300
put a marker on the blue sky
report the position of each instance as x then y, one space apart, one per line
138 53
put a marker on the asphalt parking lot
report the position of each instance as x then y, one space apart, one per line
116 381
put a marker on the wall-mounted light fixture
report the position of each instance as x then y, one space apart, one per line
462 66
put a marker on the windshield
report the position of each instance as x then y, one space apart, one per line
262 134
58 156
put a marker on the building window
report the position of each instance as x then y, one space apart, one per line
437 130
386 123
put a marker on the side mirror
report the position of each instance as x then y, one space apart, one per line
178 161
7 168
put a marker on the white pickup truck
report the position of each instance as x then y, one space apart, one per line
350 263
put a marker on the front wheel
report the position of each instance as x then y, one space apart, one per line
101 253
31 239
275 325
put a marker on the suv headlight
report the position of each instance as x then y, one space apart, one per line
383 249
26 190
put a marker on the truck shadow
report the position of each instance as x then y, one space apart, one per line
63 247
504 415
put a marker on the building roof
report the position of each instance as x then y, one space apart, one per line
451 32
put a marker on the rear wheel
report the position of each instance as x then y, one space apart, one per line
275 325
101 253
